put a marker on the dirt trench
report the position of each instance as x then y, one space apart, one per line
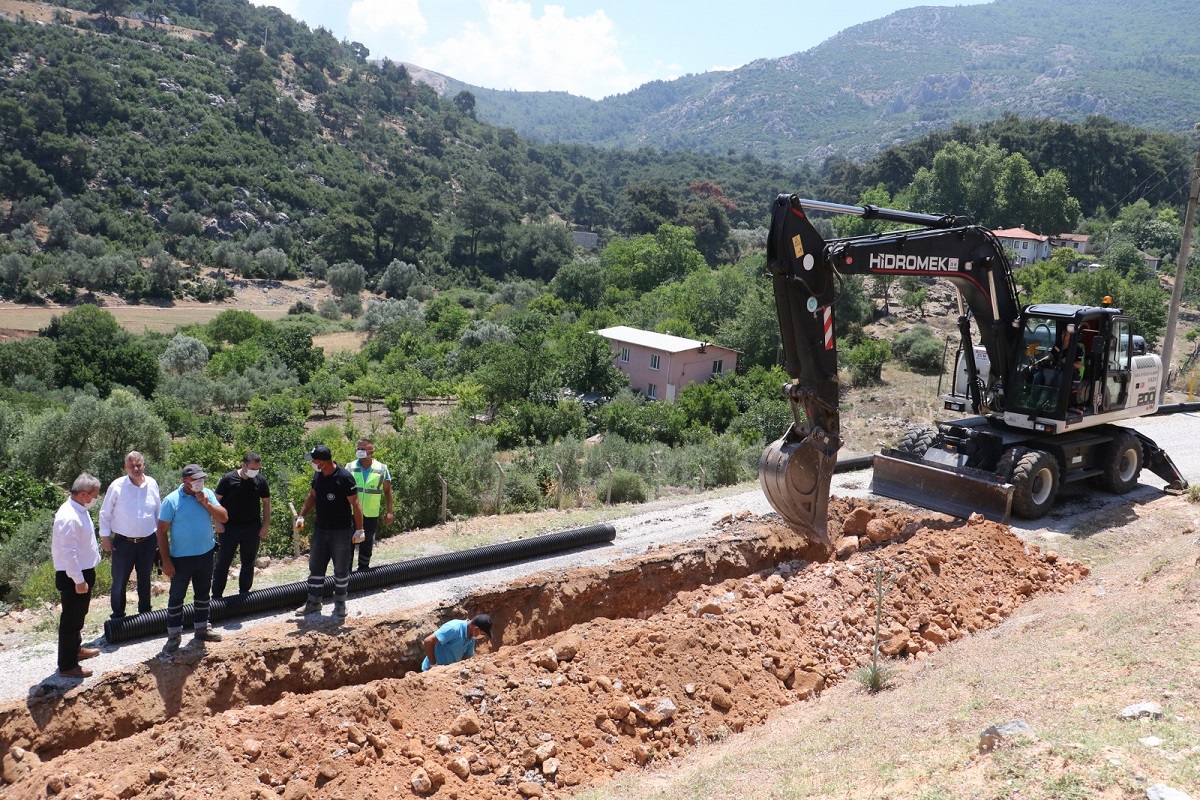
596 671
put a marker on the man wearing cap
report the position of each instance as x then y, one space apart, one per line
186 543
374 483
75 554
246 495
338 528
455 640
128 519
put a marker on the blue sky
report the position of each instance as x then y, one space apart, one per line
592 48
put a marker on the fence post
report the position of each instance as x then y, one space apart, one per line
558 503
608 500
445 487
654 460
500 490
703 478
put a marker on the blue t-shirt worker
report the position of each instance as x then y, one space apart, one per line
186 544
455 640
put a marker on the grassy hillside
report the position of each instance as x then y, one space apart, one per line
896 78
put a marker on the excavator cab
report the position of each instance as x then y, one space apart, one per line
1061 363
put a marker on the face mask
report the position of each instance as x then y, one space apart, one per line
91 502
198 486
251 473
316 467
360 454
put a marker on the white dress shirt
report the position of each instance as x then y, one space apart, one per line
73 541
130 510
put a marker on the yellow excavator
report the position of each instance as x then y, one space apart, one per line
1041 388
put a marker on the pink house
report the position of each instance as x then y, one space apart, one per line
659 365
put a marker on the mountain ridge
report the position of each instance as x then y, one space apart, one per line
892 80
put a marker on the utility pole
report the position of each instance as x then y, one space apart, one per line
1185 250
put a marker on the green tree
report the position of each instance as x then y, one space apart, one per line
707 404
184 354
325 391
92 435
347 278
91 349
994 188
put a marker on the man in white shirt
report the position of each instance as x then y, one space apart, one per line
75 556
128 520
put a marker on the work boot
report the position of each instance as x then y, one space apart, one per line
308 608
88 652
339 608
173 642
208 635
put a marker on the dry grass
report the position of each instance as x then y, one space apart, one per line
345 340
136 319
1065 664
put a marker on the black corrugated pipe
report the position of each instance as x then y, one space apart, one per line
286 595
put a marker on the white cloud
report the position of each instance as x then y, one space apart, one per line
507 47
374 22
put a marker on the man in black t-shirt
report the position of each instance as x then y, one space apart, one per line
244 493
339 527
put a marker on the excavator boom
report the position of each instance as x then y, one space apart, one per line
796 471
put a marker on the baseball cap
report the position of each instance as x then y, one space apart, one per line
484 623
319 453
194 471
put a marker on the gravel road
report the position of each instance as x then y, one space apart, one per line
30 669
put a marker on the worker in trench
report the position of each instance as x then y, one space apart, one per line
455 640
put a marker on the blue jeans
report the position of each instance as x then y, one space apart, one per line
196 571
128 556
326 545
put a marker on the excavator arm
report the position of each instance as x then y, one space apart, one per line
796 471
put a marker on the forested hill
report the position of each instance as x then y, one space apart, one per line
127 144
896 78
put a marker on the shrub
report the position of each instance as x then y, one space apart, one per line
626 487
521 492
40 588
866 361
920 350
28 546
21 493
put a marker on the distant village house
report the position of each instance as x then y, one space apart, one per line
660 365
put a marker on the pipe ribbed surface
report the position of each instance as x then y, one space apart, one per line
154 623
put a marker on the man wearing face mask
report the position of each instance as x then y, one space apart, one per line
186 543
246 496
75 554
339 527
128 518
374 483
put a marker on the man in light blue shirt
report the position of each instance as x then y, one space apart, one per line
455 640
186 543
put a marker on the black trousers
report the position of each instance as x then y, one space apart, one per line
74 612
370 524
235 538
128 557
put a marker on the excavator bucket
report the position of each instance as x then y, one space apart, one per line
796 473
958 491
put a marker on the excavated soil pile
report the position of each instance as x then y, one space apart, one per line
546 717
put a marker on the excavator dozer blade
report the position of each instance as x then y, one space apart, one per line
960 492
795 476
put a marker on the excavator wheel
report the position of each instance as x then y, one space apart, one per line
1034 476
916 440
1121 462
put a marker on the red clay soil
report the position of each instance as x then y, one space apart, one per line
547 717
